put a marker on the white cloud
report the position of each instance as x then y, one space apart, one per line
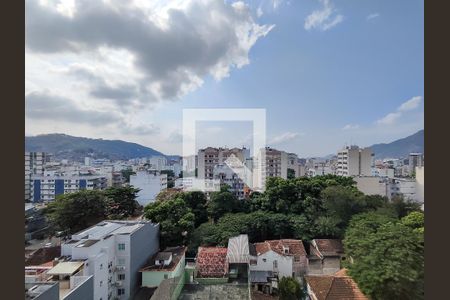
389 119
259 12
323 19
283 138
410 104
372 16
127 57
350 126
276 4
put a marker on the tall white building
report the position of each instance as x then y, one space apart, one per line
34 165
113 252
158 163
150 184
354 161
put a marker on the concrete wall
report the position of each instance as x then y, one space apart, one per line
85 291
144 244
371 186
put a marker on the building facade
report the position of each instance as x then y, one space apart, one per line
150 184
114 252
49 185
354 161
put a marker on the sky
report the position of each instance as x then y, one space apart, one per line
328 72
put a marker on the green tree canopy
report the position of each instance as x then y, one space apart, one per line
290 289
121 202
175 218
76 211
388 257
221 203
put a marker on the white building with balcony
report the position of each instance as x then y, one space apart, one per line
114 252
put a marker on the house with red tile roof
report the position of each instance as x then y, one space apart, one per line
211 262
325 256
279 258
333 287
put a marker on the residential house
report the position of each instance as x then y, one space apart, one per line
333 287
164 265
211 262
325 256
240 255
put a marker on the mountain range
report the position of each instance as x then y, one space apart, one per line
65 146
400 148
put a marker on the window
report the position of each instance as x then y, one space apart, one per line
120 292
264 259
121 261
121 277
101 282
101 266
121 246
166 276
275 264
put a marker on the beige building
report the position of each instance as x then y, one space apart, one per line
269 163
372 186
354 161
209 157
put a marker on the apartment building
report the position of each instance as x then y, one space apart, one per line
150 184
225 175
354 161
209 157
414 160
113 252
51 184
269 163
34 165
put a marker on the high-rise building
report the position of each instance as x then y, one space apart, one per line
209 157
415 160
34 165
354 161
150 183
269 163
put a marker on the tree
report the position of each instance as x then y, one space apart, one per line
360 227
196 200
290 289
327 227
342 202
221 202
167 194
290 173
415 220
175 218
121 202
127 173
388 258
403 206
76 211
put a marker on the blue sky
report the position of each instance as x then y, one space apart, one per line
322 87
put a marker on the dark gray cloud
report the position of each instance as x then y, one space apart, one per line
206 37
46 106
99 88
